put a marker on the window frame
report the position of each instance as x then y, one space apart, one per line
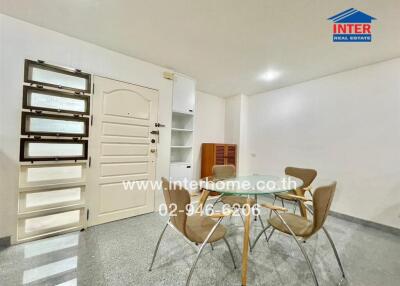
24 158
25 115
55 93
57 69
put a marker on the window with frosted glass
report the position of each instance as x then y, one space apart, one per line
59 125
52 197
42 174
52 149
52 100
48 75
53 221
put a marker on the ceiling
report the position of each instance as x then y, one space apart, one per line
225 44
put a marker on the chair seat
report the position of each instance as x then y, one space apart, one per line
198 227
236 200
300 225
286 196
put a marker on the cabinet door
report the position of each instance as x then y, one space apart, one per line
179 172
219 154
231 155
183 94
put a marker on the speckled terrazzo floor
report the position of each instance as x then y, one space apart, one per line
119 253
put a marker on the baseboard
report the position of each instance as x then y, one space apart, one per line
382 227
5 242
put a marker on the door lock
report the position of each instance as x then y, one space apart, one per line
153 150
155 132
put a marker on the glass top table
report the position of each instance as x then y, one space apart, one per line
248 186
252 185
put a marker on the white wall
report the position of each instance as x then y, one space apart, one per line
19 41
209 125
236 129
346 126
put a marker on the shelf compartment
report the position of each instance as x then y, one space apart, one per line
182 139
181 130
182 121
181 155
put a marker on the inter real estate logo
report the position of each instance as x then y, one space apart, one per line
352 26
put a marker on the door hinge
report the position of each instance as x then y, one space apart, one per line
168 75
91 120
93 89
87 214
90 161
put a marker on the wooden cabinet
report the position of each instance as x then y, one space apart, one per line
216 154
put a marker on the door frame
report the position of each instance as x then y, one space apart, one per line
90 191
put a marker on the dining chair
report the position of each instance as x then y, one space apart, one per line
307 176
196 229
299 227
223 172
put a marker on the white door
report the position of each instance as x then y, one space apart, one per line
121 150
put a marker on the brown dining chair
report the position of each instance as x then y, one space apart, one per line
299 227
197 228
307 176
223 172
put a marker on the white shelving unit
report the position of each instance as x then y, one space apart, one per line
182 129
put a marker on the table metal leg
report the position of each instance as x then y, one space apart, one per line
246 239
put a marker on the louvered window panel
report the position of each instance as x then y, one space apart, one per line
59 125
231 155
52 149
57 101
38 72
220 154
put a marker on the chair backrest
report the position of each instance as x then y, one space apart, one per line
223 171
322 200
177 198
306 175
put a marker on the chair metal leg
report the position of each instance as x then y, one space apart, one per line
200 250
216 202
256 200
158 244
301 248
270 235
230 251
335 251
262 225
295 208
241 216
258 236
270 211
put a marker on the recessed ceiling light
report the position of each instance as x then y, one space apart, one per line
270 75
